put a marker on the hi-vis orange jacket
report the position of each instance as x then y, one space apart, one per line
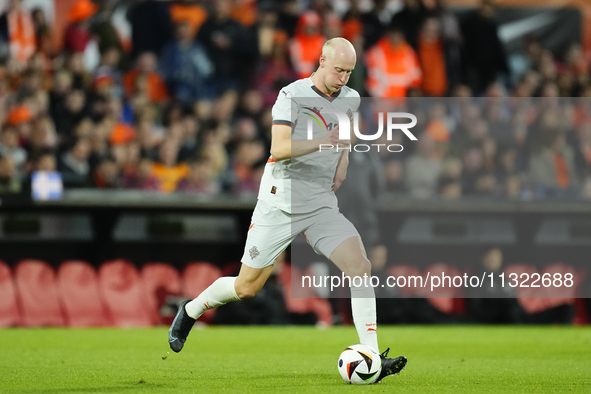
305 47
391 70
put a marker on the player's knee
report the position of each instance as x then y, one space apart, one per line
363 267
247 290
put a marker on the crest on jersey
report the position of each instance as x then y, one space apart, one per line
254 252
350 114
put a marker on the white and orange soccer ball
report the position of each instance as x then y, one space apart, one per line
360 364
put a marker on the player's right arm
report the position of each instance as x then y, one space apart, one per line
283 147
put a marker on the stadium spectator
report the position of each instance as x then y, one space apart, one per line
20 118
105 32
449 184
186 68
168 171
392 66
200 179
9 182
43 32
141 178
375 22
9 147
42 138
476 178
74 166
145 78
484 55
452 41
432 57
552 170
109 66
247 154
46 162
151 26
410 19
394 176
422 169
275 71
229 46
306 45
106 175
187 10
77 35
267 30
17 30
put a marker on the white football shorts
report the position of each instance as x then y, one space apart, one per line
272 230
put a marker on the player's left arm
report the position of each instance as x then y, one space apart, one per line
341 172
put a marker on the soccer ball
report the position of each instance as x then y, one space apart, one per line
360 364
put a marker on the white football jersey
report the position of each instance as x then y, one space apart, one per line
303 184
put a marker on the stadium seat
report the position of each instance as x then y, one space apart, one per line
77 286
561 295
121 289
9 312
530 298
159 280
445 298
197 277
38 296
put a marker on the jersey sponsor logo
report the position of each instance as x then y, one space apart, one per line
254 252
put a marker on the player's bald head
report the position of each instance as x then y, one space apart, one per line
339 48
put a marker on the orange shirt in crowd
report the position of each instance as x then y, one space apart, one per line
169 177
21 33
305 47
392 70
156 88
194 14
122 134
433 67
562 176
245 12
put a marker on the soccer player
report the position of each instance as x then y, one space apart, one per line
297 196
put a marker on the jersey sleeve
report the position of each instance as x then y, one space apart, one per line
282 109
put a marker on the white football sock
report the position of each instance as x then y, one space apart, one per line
363 306
219 293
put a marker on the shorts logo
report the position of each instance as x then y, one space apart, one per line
274 190
254 252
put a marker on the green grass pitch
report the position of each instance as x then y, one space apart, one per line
442 359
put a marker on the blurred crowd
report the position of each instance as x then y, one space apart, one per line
184 104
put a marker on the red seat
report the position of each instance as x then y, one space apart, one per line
558 295
77 285
530 298
37 292
9 312
121 289
445 297
197 277
159 281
